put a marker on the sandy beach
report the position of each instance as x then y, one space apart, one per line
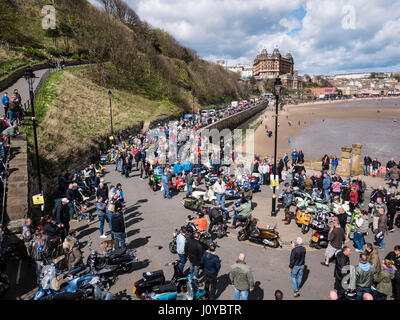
325 128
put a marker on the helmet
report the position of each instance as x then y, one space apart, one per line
201 214
237 204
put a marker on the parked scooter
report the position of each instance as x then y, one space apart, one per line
170 292
112 262
268 236
145 285
319 239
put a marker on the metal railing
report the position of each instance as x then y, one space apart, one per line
4 182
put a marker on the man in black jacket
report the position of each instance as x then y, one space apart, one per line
392 204
342 260
194 250
395 257
296 265
118 229
62 217
102 191
367 164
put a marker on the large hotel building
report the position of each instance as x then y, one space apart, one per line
270 66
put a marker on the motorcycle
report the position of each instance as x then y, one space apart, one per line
78 288
145 285
267 237
112 262
205 236
319 239
192 203
170 292
303 219
180 184
155 182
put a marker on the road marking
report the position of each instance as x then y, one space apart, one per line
19 271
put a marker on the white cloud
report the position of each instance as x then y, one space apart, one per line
237 30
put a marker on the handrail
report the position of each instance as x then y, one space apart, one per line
4 190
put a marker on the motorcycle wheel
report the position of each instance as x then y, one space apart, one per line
304 229
242 236
276 243
172 247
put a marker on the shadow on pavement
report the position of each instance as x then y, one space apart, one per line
132 232
142 201
139 242
306 273
257 293
86 232
222 283
131 209
141 265
133 221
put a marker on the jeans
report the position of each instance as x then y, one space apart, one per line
12 115
109 215
397 183
119 238
119 165
261 179
220 200
327 196
334 169
182 261
210 286
241 295
101 219
383 242
387 176
359 240
296 276
366 170
195 270
71 210
236 218
166 192
189 190
360 291
286 165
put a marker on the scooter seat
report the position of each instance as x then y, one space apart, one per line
165 288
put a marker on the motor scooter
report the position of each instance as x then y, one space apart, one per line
266 236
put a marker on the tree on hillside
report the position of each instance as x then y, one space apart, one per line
66 32
54 34
8 22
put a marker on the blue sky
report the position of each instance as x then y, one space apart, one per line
324 36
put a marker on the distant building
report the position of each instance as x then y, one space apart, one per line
245 70
221 62
270 66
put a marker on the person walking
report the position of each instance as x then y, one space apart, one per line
118 229
241 277
212 265
194 251
372 256
395 257
335 163
383 280
180 248
325 163
394 176
382 228
364 277
361 230
189 183
165 185
5 101
375 213
38 252
297 265
286 161
336 238
101 207
219 189
342 260
367 164
62 217
389 165
392 205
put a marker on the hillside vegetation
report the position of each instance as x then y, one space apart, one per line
130 54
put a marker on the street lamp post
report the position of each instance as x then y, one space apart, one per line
30 78
278 86
110 95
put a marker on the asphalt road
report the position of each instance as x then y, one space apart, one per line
151 220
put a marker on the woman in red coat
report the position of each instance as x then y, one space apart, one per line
353 198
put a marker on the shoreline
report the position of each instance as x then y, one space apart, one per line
294 119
